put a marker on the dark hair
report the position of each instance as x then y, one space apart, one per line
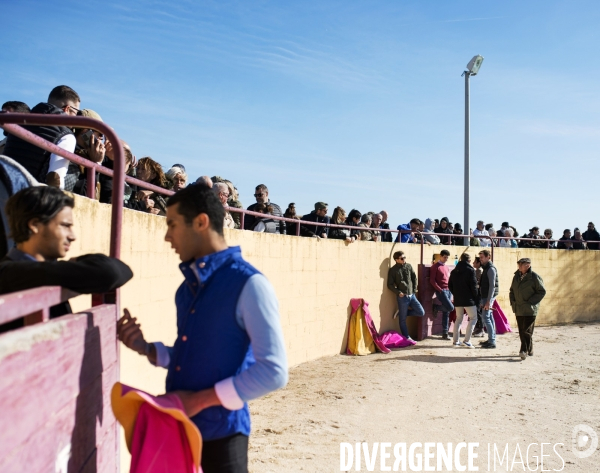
262 188
533 229
290 212
62 94
515 232
179 166
196 200
17 107
489 225
485 253
477 260
42 203
264 208
353 214
444 253
398 254
416 221
465 257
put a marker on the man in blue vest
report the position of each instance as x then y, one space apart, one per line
229 347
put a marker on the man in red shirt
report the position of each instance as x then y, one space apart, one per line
439 275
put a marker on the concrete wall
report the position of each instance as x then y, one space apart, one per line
314 280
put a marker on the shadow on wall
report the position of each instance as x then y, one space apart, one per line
345 338
387 301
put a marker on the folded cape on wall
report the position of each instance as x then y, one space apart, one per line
363 338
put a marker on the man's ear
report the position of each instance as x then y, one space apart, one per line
34 226
201 222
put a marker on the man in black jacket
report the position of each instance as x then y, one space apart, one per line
318 215
41 223
591 234
463 286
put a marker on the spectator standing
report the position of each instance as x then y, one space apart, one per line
234 201
534 234
365 222
578 241
224 307
319 215
591 234
489 290
565 242
265 224
463 286
151 172
353 220
47 167
376 220
385 236
176 178
439 275
479 232
261 194
338 218
402 281
205 181
444 228
548 236
506 241
478 332
293 227
458 240
526 292
222 192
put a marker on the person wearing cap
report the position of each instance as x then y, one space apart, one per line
526 292
479 232
229 347
319 215
591 234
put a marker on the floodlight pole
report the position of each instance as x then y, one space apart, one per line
466 228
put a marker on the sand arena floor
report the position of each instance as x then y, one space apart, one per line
437 393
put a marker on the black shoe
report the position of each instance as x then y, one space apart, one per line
530 353
489 345
483 342
445 337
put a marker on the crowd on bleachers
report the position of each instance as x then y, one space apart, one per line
57 171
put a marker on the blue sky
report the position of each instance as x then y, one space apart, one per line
358 104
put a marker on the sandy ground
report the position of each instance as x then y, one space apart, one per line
437 393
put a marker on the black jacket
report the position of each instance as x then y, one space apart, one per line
317 229
31 157
94 273
386 236
250 220
592 235
463 285
484 283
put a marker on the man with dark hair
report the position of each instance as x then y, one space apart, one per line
489 290
318 215
412 227
261 194
12 107
229 347
565 242
41 224
402 281
463 285
526 292
439 274
591 234
44 166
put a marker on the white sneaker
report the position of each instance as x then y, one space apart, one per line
456 344
468 344
523 355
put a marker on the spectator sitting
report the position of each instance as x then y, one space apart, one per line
385 236
222 191
365 222
235 203
409 231
261 195
41 223
47 167
151 172
319 215
548 236
565 242
176 178
591 234
266 225
13 107
479 232
353 220
338 218
292 228
443 228
578 238
376 220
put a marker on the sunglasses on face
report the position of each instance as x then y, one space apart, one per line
258 195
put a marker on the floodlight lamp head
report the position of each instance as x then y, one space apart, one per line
474 65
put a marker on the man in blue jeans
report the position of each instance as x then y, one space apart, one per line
489 289
439 276
402 281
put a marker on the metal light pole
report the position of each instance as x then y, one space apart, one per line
472 70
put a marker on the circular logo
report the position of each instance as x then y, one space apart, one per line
585 441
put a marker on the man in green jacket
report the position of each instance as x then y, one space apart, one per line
526 292
402 281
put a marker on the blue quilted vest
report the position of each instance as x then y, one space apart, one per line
210 345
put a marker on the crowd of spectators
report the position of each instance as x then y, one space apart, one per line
91 145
